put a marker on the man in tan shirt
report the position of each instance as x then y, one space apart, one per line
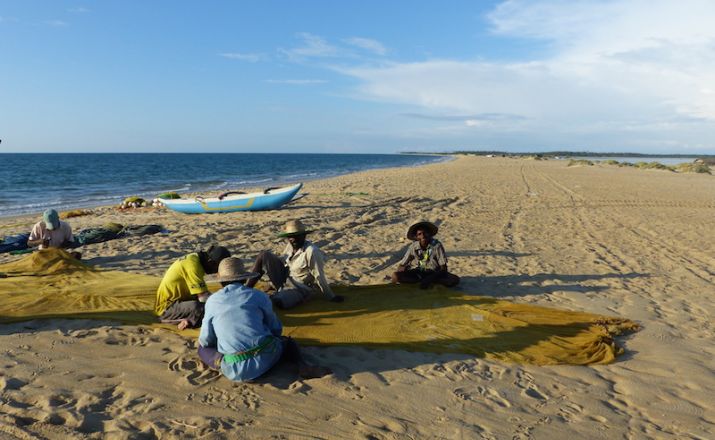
298 274
428 257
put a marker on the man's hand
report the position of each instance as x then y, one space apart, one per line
183 324
337 299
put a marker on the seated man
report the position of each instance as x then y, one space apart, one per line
298 274
241 335
428 254
182 293
51 232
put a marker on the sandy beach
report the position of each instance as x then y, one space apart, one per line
615 241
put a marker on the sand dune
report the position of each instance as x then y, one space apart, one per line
615 241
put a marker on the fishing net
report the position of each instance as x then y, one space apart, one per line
50 284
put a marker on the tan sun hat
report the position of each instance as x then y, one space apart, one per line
429 226
293 228
231 269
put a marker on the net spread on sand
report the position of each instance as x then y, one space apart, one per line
50 284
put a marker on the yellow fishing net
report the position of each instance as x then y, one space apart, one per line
49 284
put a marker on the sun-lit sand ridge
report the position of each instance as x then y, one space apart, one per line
615 241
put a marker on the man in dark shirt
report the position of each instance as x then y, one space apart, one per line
429 258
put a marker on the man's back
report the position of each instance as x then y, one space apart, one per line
241 317
184 277
239 321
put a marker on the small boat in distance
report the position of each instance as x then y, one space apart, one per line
271 198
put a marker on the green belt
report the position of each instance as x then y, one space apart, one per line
250 353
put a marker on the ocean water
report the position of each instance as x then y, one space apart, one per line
34 182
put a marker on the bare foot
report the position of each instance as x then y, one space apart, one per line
313 371
183 324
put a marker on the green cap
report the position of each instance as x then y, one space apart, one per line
51 219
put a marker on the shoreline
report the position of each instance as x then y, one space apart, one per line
611 241
148 195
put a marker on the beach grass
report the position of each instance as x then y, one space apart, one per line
653 166
693 168
579 162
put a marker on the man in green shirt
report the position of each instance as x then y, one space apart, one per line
182 293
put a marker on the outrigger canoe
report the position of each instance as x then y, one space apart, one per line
271 198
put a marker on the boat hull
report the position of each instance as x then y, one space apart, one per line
273 199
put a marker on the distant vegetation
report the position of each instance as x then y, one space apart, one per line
708 158
693 167
579 154
700 163
652 166
580 162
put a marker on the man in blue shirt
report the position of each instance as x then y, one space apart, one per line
240 333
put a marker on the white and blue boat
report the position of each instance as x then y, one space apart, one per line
271 198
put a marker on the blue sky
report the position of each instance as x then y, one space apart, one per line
360 76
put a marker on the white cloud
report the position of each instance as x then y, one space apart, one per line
367 44
78 10
249 57
295 81
56 23
312 46
613 68
477 117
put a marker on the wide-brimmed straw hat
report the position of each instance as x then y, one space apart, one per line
293 228
429 226
231 269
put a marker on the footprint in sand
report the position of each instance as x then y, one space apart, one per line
570 411
379 428
354 392
481 393
525 381
196 373
241 397
11 383
299 387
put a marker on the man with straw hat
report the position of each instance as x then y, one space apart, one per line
299 273
182 293
429 257
241 335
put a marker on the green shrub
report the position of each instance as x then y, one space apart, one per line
611 162
693 168
75 213
579 162
133 199
169 196
652 166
